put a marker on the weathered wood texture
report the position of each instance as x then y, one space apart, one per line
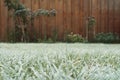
71 16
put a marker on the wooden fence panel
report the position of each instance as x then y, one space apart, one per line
86 12
0 20
3 21
67 16
71 17
117 17
59 17
43 19
81 18
51 20
111 15
75 16
35 27
103 15
98 20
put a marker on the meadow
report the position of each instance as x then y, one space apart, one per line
60 61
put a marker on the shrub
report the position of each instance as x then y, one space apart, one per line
54 36
14 35
74 38
23 16
49 40
106 37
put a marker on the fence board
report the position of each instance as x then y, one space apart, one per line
94 12
67 16
3 22
0 21
102 16
117 17
111 15
71 17
86 14
59 17
35 27
43 19
98 21
51 20
81 17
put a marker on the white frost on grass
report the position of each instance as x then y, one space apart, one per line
59 61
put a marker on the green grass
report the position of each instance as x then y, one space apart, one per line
59 61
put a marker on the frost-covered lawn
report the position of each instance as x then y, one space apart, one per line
59 61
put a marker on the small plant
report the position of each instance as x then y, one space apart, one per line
106 37
90 24
49 40
14 36
54 34
91 21
74 38
39 40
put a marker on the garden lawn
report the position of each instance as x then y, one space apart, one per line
59 61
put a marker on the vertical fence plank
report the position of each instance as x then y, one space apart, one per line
111 16
11 24
105 12
0 21
81 20
28 4
43 5
3 21
103 15
35 27
98 29
86 14
96 14
117 17
67 15
40 21
48 18
59 17
52 19
77 17
22 1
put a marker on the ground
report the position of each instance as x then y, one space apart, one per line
59 61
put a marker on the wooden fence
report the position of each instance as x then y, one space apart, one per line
71 16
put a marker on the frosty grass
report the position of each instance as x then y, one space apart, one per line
59 61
